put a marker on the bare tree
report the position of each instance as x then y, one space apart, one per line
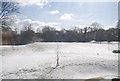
95 26
7 22
8 8
27 34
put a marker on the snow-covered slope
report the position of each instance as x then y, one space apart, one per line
77 60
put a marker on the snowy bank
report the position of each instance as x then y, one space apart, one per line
77 61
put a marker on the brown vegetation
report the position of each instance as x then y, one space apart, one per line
8 39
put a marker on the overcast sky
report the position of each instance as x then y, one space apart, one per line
69 14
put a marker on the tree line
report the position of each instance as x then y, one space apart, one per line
50 34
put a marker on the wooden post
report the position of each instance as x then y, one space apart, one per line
57 55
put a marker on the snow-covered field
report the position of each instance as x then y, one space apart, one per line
77 61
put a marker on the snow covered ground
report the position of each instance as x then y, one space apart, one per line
77 61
